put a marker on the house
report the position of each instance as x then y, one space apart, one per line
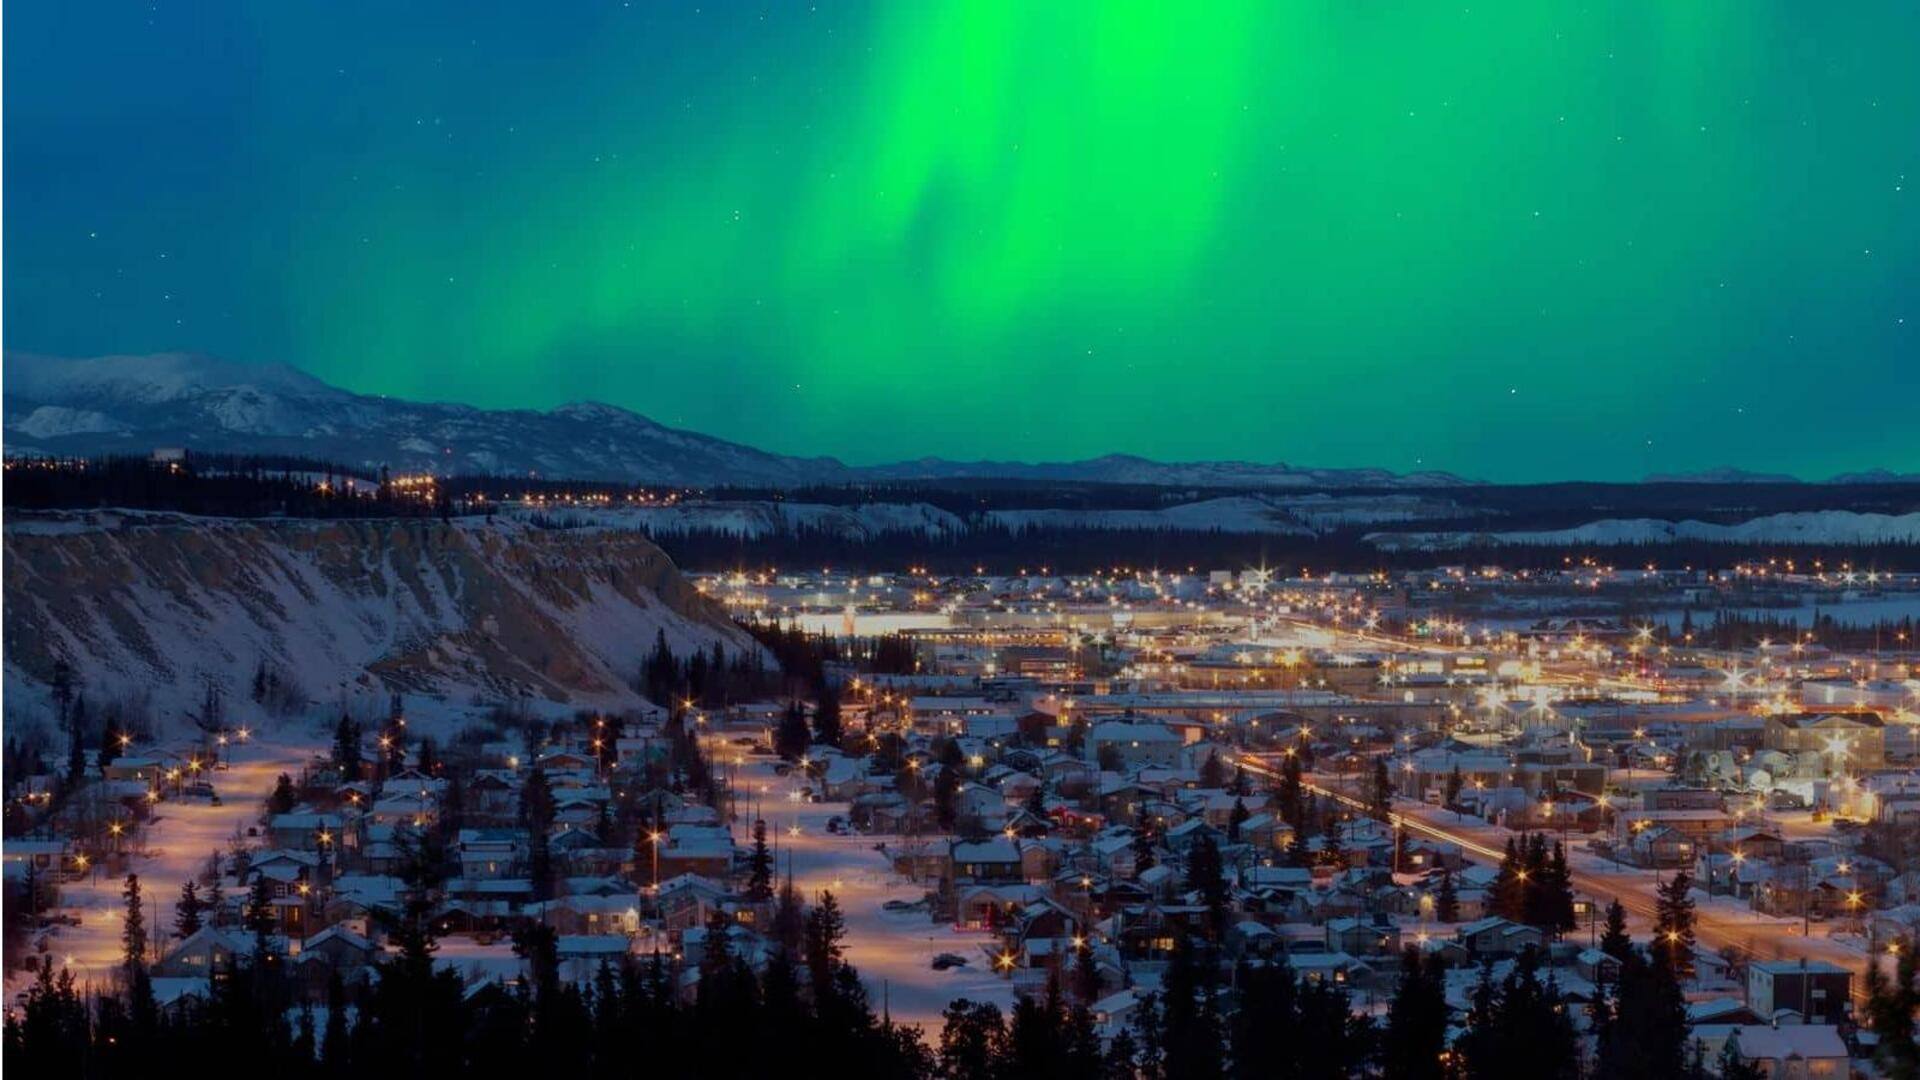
1494 936
489 853
986 861
1787 1052
310 831
1597 967
205 951
706 850
1125 745
1818 991
685 901
1376 936
337 949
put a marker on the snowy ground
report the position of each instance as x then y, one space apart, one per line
179 837
893 951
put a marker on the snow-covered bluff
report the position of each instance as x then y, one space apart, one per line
153 604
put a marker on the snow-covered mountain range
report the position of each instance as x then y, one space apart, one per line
132 404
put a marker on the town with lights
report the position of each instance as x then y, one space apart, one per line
960 540
1103 799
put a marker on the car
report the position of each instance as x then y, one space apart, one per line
836 824
947 961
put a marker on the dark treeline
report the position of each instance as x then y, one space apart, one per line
1002 550
805 1012
1728 629
221 485
1516 506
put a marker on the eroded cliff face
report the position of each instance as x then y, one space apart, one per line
158 603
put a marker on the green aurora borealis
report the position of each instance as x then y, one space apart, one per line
1518 240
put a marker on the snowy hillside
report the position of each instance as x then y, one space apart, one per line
1818 527
132 404
157 604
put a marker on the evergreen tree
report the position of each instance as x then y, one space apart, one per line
789 920
1236 819
133 928
1507 895
790 738
259 913
1519 1029
1292 793
334 1049
281 800
1380 793
1891 1006
346 748
1613 939
1644 1036
826 929
187 912
1673 926
1193 1042
1086 972
946 792
826 717
1299 854
972 1041
1213 772
216 891
1446 899
760 865
1455 782
536 816
1556 887
1415 1043
1331 851
1207 876
76 761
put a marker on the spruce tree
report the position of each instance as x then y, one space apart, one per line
760 865
825 931
1892 1004
1237 818
1415 1043
1673 926
133 929
1380 795
826 717
1446 899
187 912
1613 939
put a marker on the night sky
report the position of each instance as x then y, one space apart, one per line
1515 240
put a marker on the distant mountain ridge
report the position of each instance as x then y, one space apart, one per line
132 404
